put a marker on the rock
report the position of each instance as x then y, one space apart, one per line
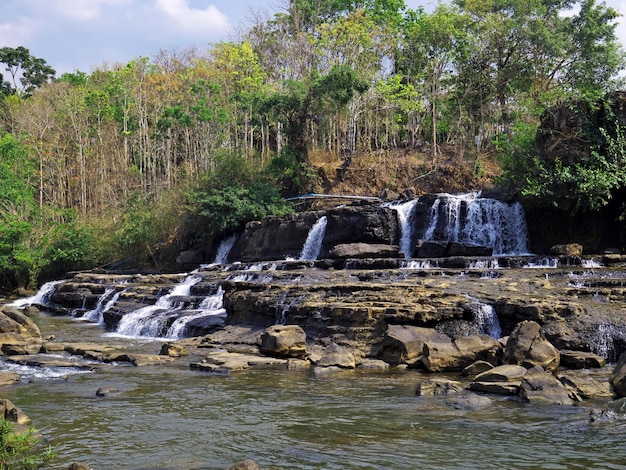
17 328
373 365
468 249
403 343
502 380
618 376
539 385
569 249
432 249
284 341
503 373
585 386
174 350
10 412
459 354
21 349
581 359
8 377
106 391
476 368
471 402
336 356
438 386
527 347
247 464
79 466
364 250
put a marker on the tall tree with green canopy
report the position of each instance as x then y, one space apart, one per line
26 71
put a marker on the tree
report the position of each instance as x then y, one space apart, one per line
26 71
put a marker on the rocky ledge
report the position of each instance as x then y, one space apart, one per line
516 326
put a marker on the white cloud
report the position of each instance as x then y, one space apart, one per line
18 33
75 10
192 19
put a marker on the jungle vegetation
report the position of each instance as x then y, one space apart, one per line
119 162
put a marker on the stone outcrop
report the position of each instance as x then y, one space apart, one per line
284 341
527 347
502 380
539 385
364 250
405 343
459 354
618 377
18 333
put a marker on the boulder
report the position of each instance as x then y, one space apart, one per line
526 346
569 249
404 343
502 380
432 249
364 250
581 359
336 356
13 413
438 386
283 341
16 327
476 368
584 386
539 385
8 377
618 376
174 350
459 354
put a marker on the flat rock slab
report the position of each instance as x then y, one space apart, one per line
225 362
42 360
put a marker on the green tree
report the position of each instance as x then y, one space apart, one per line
26 71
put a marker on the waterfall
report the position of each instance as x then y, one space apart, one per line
486 320
223 250
212 305
42 297
105 302
404 212
468 218
313 244
151 320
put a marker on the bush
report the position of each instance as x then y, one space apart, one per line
21 451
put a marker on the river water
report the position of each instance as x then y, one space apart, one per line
171 417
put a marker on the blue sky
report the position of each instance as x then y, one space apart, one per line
82 34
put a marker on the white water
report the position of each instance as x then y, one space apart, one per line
211 305
404 212
471 219
148 321
105 302
486 320
40 298
313 244
223 250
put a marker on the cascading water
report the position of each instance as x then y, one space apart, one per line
40 298
223 250
468 218
404 212
212 305
150 321
105 302
313 244
486 320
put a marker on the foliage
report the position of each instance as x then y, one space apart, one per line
233 194
31 72
587 182
21 451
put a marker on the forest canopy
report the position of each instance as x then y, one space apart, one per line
115 163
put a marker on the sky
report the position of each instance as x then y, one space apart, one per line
73 35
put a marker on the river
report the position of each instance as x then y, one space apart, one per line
171 417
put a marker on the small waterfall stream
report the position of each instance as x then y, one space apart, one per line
106 301
42 296
468 218
313 244
151 320
486 320
404 211
224 248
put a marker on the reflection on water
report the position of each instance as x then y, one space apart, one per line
172 417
